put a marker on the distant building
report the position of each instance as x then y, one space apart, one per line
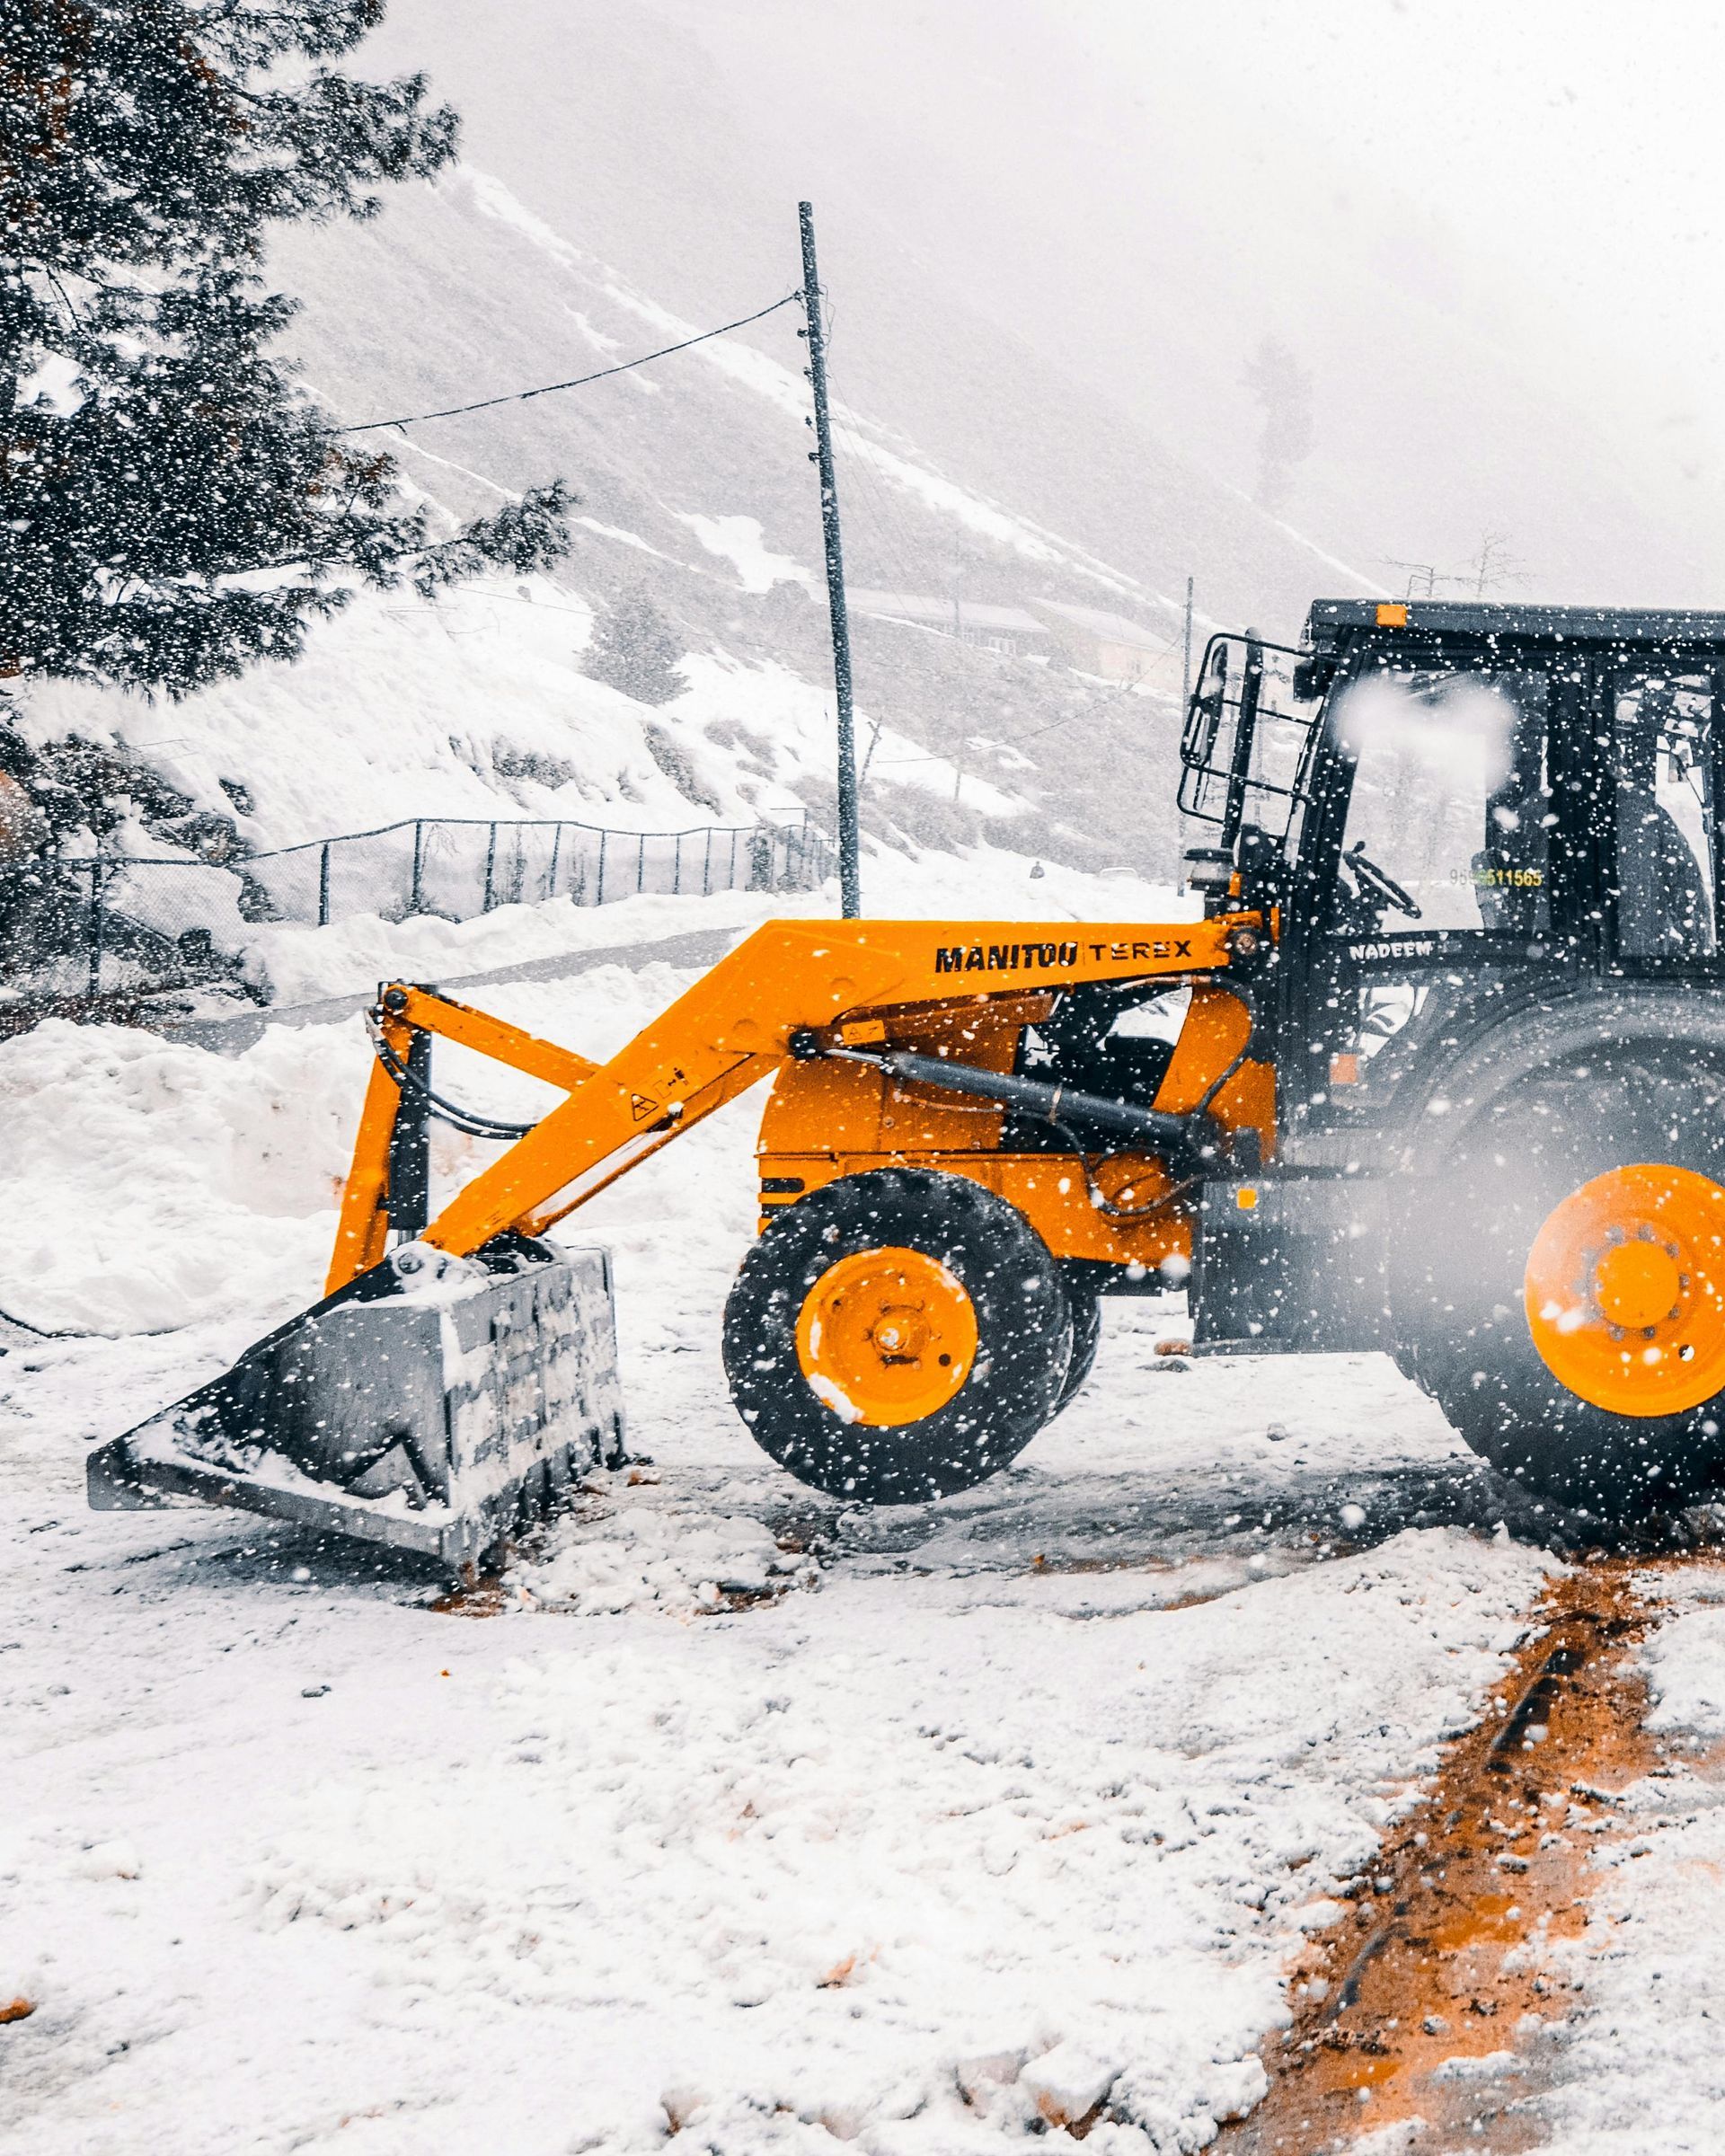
1097 642
1086 637
1008 629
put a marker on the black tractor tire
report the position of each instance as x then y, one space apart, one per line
1024 1321
1086 1338
1457 1282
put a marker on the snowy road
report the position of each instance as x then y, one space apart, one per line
737 1822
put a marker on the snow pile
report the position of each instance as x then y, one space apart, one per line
682 1560
296 966
194 1186
1686 1664
203 1187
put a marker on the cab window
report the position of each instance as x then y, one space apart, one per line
1450 814
1664 741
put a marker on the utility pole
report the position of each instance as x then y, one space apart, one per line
1185 660
850 877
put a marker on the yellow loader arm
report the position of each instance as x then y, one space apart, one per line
734 1026
924 1297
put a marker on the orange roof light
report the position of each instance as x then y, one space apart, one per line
1391 613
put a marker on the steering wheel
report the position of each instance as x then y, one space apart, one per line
1371 877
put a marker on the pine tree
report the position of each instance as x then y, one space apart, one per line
634 649
1283 389
173 506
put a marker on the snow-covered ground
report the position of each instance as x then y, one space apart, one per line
735 1821
1645 2070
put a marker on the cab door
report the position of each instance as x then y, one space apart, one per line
1664 728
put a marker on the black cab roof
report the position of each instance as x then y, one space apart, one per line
1333 622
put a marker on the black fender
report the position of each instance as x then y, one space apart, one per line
1451 1095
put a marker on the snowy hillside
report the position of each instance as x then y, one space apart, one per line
990 455
696 493
476 706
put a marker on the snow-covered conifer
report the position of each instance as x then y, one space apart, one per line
173 506
634 650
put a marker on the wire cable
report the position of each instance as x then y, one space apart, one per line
1100 1200
546 389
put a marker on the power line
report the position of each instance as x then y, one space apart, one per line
521 396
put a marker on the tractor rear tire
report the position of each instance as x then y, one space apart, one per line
1571 1140
898 1336
1086 1338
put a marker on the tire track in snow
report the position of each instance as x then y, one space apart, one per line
1438 2003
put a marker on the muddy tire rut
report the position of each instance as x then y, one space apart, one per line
1441 1997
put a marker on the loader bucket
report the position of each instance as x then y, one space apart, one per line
433 1411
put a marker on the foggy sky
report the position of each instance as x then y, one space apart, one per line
1492 235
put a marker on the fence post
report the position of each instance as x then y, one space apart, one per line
324 885
676 869
95 927
490 866
599 896
706 867
556 848
736 832
640 864
416 894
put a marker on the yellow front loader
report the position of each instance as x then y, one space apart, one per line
1441 1074
941 1202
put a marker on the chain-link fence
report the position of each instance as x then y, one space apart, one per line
76 930
72 930
462 868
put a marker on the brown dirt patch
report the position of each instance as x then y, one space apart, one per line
1435 1998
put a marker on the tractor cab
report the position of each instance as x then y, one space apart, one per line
1458 808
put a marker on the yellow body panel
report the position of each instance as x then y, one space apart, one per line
823 1120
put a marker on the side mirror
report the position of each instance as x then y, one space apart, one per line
1204 720
1312 677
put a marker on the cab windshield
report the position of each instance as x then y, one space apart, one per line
1449 813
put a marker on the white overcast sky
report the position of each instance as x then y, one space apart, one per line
1579 149
1539 187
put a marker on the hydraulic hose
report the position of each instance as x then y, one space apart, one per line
469 1121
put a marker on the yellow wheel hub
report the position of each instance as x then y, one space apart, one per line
885 1336
1625 1290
